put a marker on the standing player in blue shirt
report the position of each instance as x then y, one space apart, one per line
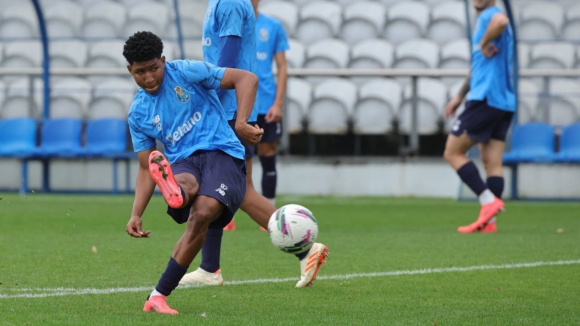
488 113
229 40
202 173
272 43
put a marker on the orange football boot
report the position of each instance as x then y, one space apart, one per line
158 304
230 227
160 171
486 213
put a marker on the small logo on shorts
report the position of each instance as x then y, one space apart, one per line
222 189
456 125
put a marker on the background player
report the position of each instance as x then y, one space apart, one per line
488 113
178 106
271 43
229 40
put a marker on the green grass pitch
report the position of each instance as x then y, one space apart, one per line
66 260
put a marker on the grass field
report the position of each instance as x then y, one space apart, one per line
66 260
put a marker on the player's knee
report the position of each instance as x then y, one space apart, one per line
200 219
449 155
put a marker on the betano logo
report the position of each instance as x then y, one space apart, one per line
184 128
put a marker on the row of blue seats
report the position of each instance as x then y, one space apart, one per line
63 138
535 143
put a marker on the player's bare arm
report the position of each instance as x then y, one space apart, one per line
144 188
275 112
456 101
496 27
246 85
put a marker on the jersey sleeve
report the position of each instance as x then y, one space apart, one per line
204 74
140 141
230 18
281 39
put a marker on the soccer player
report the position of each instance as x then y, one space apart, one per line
272 43
202 173
488 113
229 40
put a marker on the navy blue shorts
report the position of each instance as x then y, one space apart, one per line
272 130
482 122
220 176
249 148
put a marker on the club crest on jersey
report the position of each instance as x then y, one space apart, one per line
182 94
264 35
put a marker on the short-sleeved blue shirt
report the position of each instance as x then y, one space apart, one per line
271 39
491 78
231 18
185 114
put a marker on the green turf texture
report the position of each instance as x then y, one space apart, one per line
46 241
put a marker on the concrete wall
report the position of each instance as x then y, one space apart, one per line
347 177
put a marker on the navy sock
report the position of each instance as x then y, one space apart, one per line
495 185
269 176
210 252
302 255
171 277
470 176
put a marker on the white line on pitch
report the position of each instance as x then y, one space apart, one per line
58 292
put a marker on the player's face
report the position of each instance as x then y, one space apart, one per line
481 5
149 74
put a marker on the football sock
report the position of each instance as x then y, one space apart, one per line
171 277
210 252
486 197
154 293
470 176
495 185
269 176
302 255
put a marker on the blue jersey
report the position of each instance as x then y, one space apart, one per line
491 78
185 114
231 18
271 39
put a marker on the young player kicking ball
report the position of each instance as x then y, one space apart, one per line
229 40
202 173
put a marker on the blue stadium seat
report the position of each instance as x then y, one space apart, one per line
17 137
570 144
61 138
106 137
532 142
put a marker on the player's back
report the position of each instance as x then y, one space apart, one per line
231 18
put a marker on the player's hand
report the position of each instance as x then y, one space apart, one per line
134 228
489 50
250 134
452 106
274 114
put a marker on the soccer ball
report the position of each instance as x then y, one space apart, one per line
293 229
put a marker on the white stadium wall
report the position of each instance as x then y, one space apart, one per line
376 177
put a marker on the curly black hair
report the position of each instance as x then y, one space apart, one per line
142 47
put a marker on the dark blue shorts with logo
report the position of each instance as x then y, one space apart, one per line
249 148
272 130
220 176
482 122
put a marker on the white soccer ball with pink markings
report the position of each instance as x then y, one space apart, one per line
293 229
